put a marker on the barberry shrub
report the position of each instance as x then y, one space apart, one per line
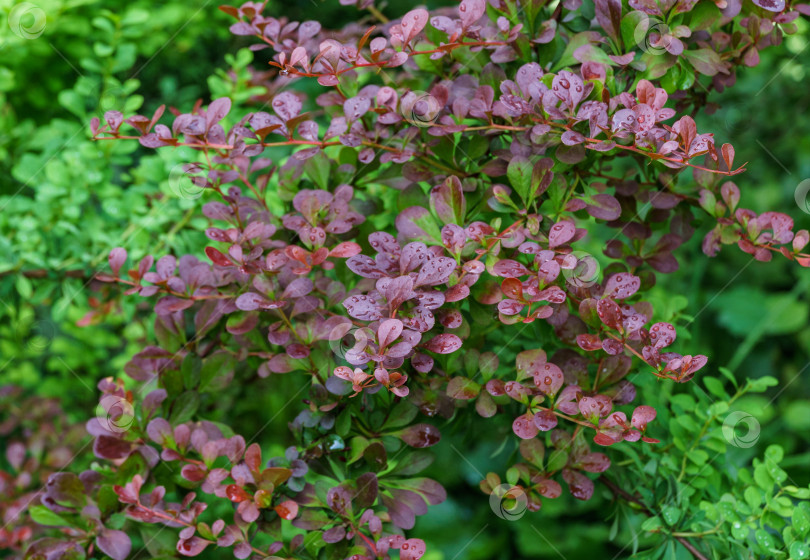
491 180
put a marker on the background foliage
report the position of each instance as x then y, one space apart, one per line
65 201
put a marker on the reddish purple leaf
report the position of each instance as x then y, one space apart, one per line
545 420
621 285
524 426
443 343
561 233
580 486
421 435
412 549
643 415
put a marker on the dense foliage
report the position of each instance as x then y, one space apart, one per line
449 217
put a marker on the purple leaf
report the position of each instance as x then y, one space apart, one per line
417 223
388 331
413 22
603 207
420 435
443 343
507 268
363 307
771 5
548 378
622 285
545 420
287 105
412 549
447 200
435 271
662 335
217 110
561 233
590 409
470 11
192 546
462 388
117 258
524 427
115 544
159 431
580 486
594 462
643 415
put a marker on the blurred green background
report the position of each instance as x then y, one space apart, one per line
65 201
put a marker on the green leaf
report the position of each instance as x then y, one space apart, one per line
775 453
753 497
447 201
799 551
519 173
568 59
671 515
698 456
184 407
719 408
652 524
761 385
705 61
774 314
357 446
418 224
413 463
557 460
190 369
801 519
728 375
216 371
462 388
715 387
765 540
42 515
703 16
401 415
801 493
533 451
657 65
344 422
317 169
763 479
